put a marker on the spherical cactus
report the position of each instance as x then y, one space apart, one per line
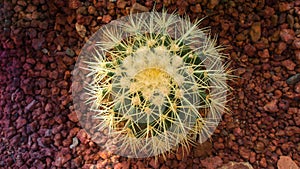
151 81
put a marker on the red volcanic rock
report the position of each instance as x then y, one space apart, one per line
61 159
140 164
280 48
68 60
20 122
203 150
212 162
290 65
296 43
292 130
196 8
43 142
286 147
263 162
83 136
285 162
74 131
22 3
249 50
287 35
15 140
244 152
255 31
236 165
264 54
212 4
31 61
271 106
39 66
59 40
238 131
42 83
121 4
62 84
106 18
53 75
240 71
37 43
74 4
30 8
39 164
57 139
136 7
68 141
252 157
55 90
259 147
154 164
297 55
48 107
268 12
11 131
73 116
285 6
218 145
124 165
297 87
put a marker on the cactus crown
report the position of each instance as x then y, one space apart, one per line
156 81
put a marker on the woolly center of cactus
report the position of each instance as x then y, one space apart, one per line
151 81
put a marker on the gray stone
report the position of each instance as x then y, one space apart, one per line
293 79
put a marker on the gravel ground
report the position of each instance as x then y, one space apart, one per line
41 40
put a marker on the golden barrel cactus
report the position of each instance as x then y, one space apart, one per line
151 82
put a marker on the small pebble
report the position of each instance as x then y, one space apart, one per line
70 52
75 143
293 79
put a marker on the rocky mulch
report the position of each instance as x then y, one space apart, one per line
41 40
